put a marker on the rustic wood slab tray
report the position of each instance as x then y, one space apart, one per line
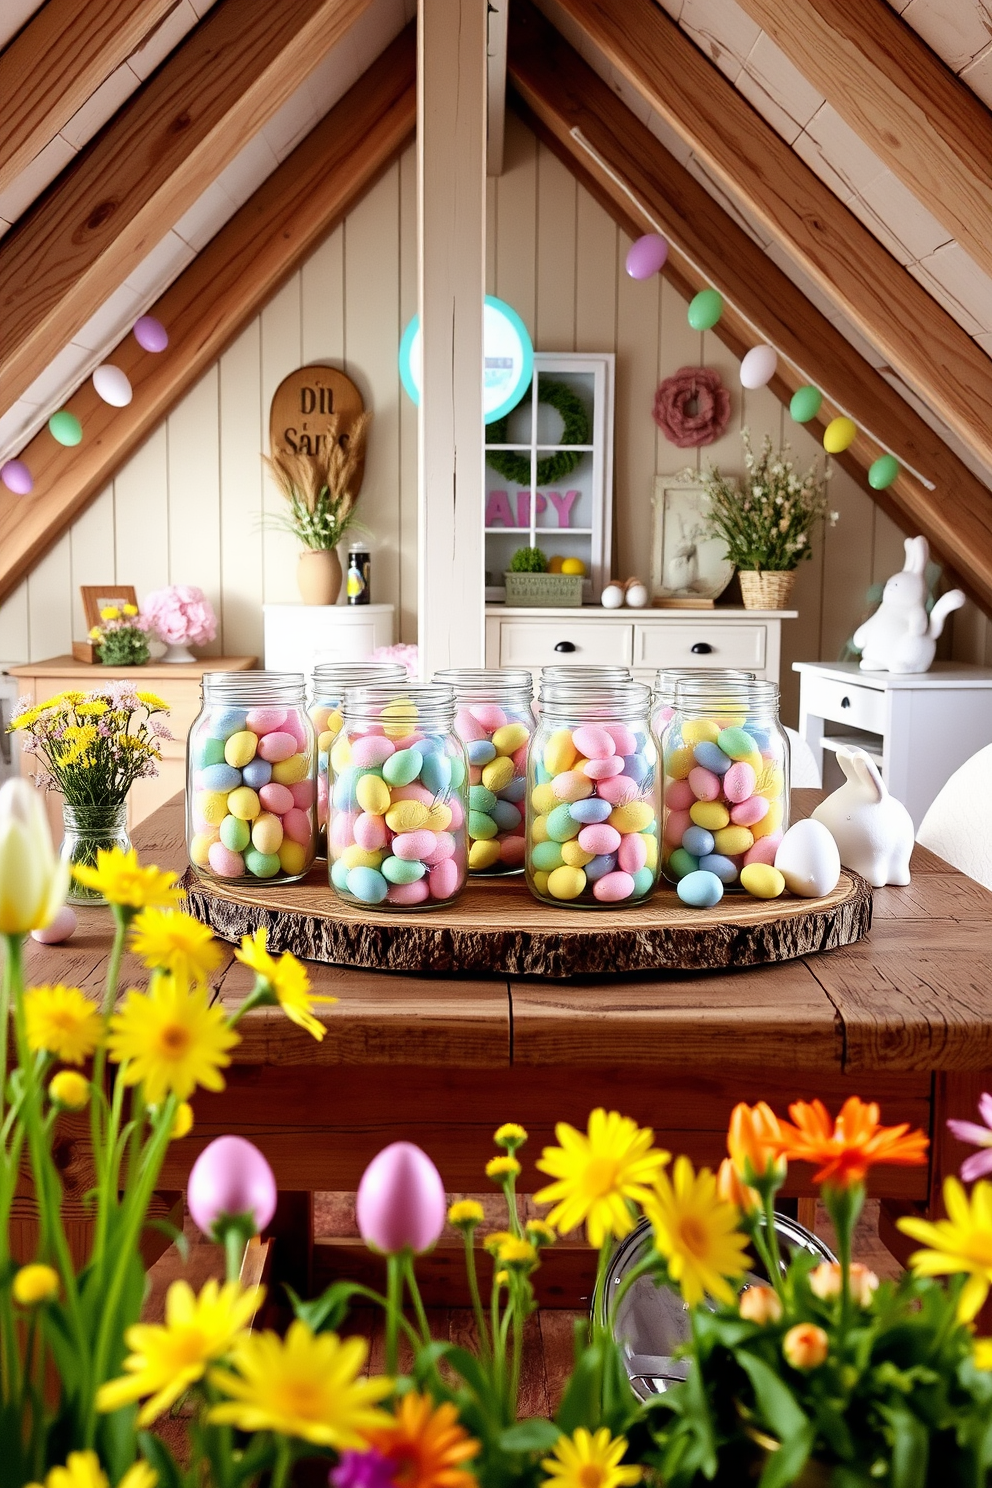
496 926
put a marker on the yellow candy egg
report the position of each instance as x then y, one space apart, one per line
839 435
769 823
651 843
770 783
709 814
575 856
543 798
240 748
212 806
497 775
292 857
555 562
573 566
243 803
631 818
762 880
566 883
508 739
200 846
324 741
372 795
482 855
318 717
730 841
438 817
559 752
334 721
266 833
405 816
539 829
360 857
700 730
341 754
678 762
291 771
540 881
403 710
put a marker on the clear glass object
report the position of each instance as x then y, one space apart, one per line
328 685
663 700
251 797
87 830
398 834
593 804
726 778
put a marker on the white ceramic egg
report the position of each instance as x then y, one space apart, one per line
611 597
636 595
758 366
60 929
808 860
112 385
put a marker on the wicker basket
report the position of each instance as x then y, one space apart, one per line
545 590
766 589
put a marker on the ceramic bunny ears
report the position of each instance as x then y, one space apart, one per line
917 555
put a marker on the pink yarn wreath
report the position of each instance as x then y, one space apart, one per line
700 390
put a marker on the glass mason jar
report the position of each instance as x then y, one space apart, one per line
328 685
593 803
251 791
87 829
494 719
585 672
663 700
726 782
399 802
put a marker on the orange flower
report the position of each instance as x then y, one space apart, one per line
759 1304
847 1148
427 1445
805 1346
754 1140
732 1191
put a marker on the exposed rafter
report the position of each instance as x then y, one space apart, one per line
928 127
56 62
163 148
225 286
562 94
917 337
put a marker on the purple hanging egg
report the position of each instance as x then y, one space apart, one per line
150 334
646 256
17 478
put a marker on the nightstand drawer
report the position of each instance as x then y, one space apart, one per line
742 646
842 702
539 643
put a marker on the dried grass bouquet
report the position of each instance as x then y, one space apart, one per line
319 489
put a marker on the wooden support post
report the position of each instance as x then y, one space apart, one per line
451 183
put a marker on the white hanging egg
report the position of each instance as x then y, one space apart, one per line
808 860
637 595
758 366
112 385
611 597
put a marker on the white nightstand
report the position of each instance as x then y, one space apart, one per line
918 728
298 637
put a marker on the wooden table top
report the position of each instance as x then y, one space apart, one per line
914 996
62 666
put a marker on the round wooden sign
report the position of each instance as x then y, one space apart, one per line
304 409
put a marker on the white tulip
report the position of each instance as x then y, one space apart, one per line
33 882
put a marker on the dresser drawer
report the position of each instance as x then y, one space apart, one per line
668 645
844 702
537 643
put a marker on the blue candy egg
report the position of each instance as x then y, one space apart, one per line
367 884
480 751
700 889
339 875
221 778
712 757
226 721
256 773
592 809
437 773
345 784
637 767
697 841
541 775
681 863
605 863
431 744
643 882
725 868
506 816
515 791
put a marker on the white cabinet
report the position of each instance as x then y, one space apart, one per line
299 637
918 728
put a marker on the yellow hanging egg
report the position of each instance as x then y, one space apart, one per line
839 435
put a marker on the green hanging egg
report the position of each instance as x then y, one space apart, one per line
65 427
805 404
882 472
705 309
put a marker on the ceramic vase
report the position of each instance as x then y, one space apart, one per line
318 576
177 651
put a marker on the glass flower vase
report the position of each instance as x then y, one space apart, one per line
87 829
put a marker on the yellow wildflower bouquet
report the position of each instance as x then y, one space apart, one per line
121 638
93 746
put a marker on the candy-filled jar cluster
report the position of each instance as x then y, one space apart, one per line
726 786
399 799
329 683
667 679
592 804
252 790
494 720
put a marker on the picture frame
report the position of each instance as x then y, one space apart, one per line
97 597
688 569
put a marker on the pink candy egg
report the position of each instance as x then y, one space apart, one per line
612 887
60 929
764 849
414 792
679 795
410 741
489 716
294 725
623 737
276 746
414 846
739 782
468 727
676 826
296 826
457 813
632 853
445 849
443 878
595 743
266 720
603 769
599 838
277 798
224 862
571 785
370 832
746 813
704 784
519 758
475 774
343 829
412 893
619 791
371 750
511 850
304 792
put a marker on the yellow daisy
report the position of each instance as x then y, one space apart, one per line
517 1253
960 1243
583 1460
510 1135
35 1283
306 1386
599 1173
62 1021
982 1356
69 1089
165 1359
120 880
83 1470
465 1214
169 940
110 612
696 1231
502 1167
287 980
172 1039
540 1232
153 702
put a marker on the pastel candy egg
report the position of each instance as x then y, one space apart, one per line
697 841
199 853
277 798
515 791
679 795
439 817
344 795
770 822
636 767
483 855
444 879
651 847
506 816
256 773
736 742
235 834
764 849
224 862
415 792
562 825
559 752
643 882
739 782
367 884
711 757
267 833
574 855
406 816
342 829
468 727
58 929
511 851
445 849
594 743
296 726
403 767
636 816
701 890
221 778
599 838
696 730
706 786
409 894
210 752
540 882
546 856
481 826
613 887
481 799
457 814
593 809
411 741
240 748
292 857
402 870
571 785
678 762
771 782
632 853
510 737
266 720
539 829
624 739
519 758
619 791
497 775
276 747
746 813
319 716
291 771
480 751
414 845
361 857
709 814
370 751
372 794
244 803
339 875
489 715
604 769
370 831
226 721
296 825
404 712
212 806
681 863
438 774
566 883
724 868
262 865
677 824
808 859
732 840
600 866
762 880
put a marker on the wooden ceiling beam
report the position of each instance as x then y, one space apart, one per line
894 92
212 300
563 94
915 335
56 62
125 191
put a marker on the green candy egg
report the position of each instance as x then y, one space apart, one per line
262 865
457 772
705 309
737 743
210 752
546 856
400 769
65 428
399 871
562 826
481 799
643 883
805 404
235 833
681 863
481 827
882 472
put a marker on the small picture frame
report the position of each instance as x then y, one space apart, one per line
689 569
97 597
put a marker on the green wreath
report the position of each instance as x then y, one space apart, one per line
514 466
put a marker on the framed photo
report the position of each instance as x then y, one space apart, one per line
687 567
97 597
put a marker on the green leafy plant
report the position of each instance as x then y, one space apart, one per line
319 489
121 638
514 466
529 560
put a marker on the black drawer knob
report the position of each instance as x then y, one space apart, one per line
565 646
702 648
845 702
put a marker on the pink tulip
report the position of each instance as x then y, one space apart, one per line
400 1202
231 1180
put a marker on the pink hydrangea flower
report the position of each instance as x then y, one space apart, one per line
180 615
406 656
980 1163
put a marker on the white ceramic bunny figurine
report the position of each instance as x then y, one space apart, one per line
873 831
900 636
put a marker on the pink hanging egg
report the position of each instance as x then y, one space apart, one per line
17 478
150 334
400 1203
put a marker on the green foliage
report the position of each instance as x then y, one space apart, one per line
127 646
515 466
529 560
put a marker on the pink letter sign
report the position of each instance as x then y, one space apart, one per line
563 506
498 510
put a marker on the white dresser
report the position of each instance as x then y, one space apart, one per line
298 637
644 640
918 728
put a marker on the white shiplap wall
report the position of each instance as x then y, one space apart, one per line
186 507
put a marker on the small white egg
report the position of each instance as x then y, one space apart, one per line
611 597
60 929
637 596
808 860
112 385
